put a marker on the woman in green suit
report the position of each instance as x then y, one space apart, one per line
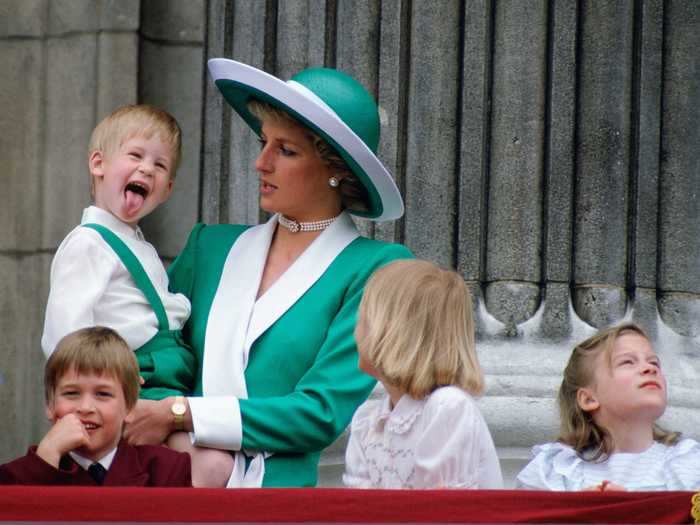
274 306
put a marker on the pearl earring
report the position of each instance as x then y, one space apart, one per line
333 182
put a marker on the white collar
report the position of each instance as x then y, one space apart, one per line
96 215
105 461
399 419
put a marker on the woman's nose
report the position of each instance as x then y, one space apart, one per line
263 162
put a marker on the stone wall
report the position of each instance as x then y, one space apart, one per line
547 150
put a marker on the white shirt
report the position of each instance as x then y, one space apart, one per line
556 466
105 461
440 441
90 286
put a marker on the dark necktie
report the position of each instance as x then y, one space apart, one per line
98 473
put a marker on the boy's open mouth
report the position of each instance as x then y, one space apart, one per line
135 193
137 188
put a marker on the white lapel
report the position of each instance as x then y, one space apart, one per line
236 320
224 361
300 276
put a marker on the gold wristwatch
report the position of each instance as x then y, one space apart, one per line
178 409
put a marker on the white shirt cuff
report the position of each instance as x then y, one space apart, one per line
216 422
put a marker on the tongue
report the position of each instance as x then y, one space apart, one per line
134 201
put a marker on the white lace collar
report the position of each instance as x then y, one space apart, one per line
400 419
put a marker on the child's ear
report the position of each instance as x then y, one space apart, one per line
587 400
50 413
96 163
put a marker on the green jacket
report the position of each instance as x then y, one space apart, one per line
293 347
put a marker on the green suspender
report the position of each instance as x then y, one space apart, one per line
136 270
166 363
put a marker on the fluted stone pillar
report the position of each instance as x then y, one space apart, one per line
679 177
513 266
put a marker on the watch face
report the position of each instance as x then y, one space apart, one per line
179 409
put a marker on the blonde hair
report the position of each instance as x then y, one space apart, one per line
94 350
131 121
419 328
591 441
353 194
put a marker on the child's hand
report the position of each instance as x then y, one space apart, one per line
67 434
605 486
613 487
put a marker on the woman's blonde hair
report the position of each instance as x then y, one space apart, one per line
94 350
353 194
419 328
591 441
136 120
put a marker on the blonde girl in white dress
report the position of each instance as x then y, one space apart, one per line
612 393
415 334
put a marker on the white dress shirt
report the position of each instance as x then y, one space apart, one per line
90 286
440 441
556 466
105 461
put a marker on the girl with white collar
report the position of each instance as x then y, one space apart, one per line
416 335
274 306
612 394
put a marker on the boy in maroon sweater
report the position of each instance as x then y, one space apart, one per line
91 383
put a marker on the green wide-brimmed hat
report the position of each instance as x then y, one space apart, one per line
333 105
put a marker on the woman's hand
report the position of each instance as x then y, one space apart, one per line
149 422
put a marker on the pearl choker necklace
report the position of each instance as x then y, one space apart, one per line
296 226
